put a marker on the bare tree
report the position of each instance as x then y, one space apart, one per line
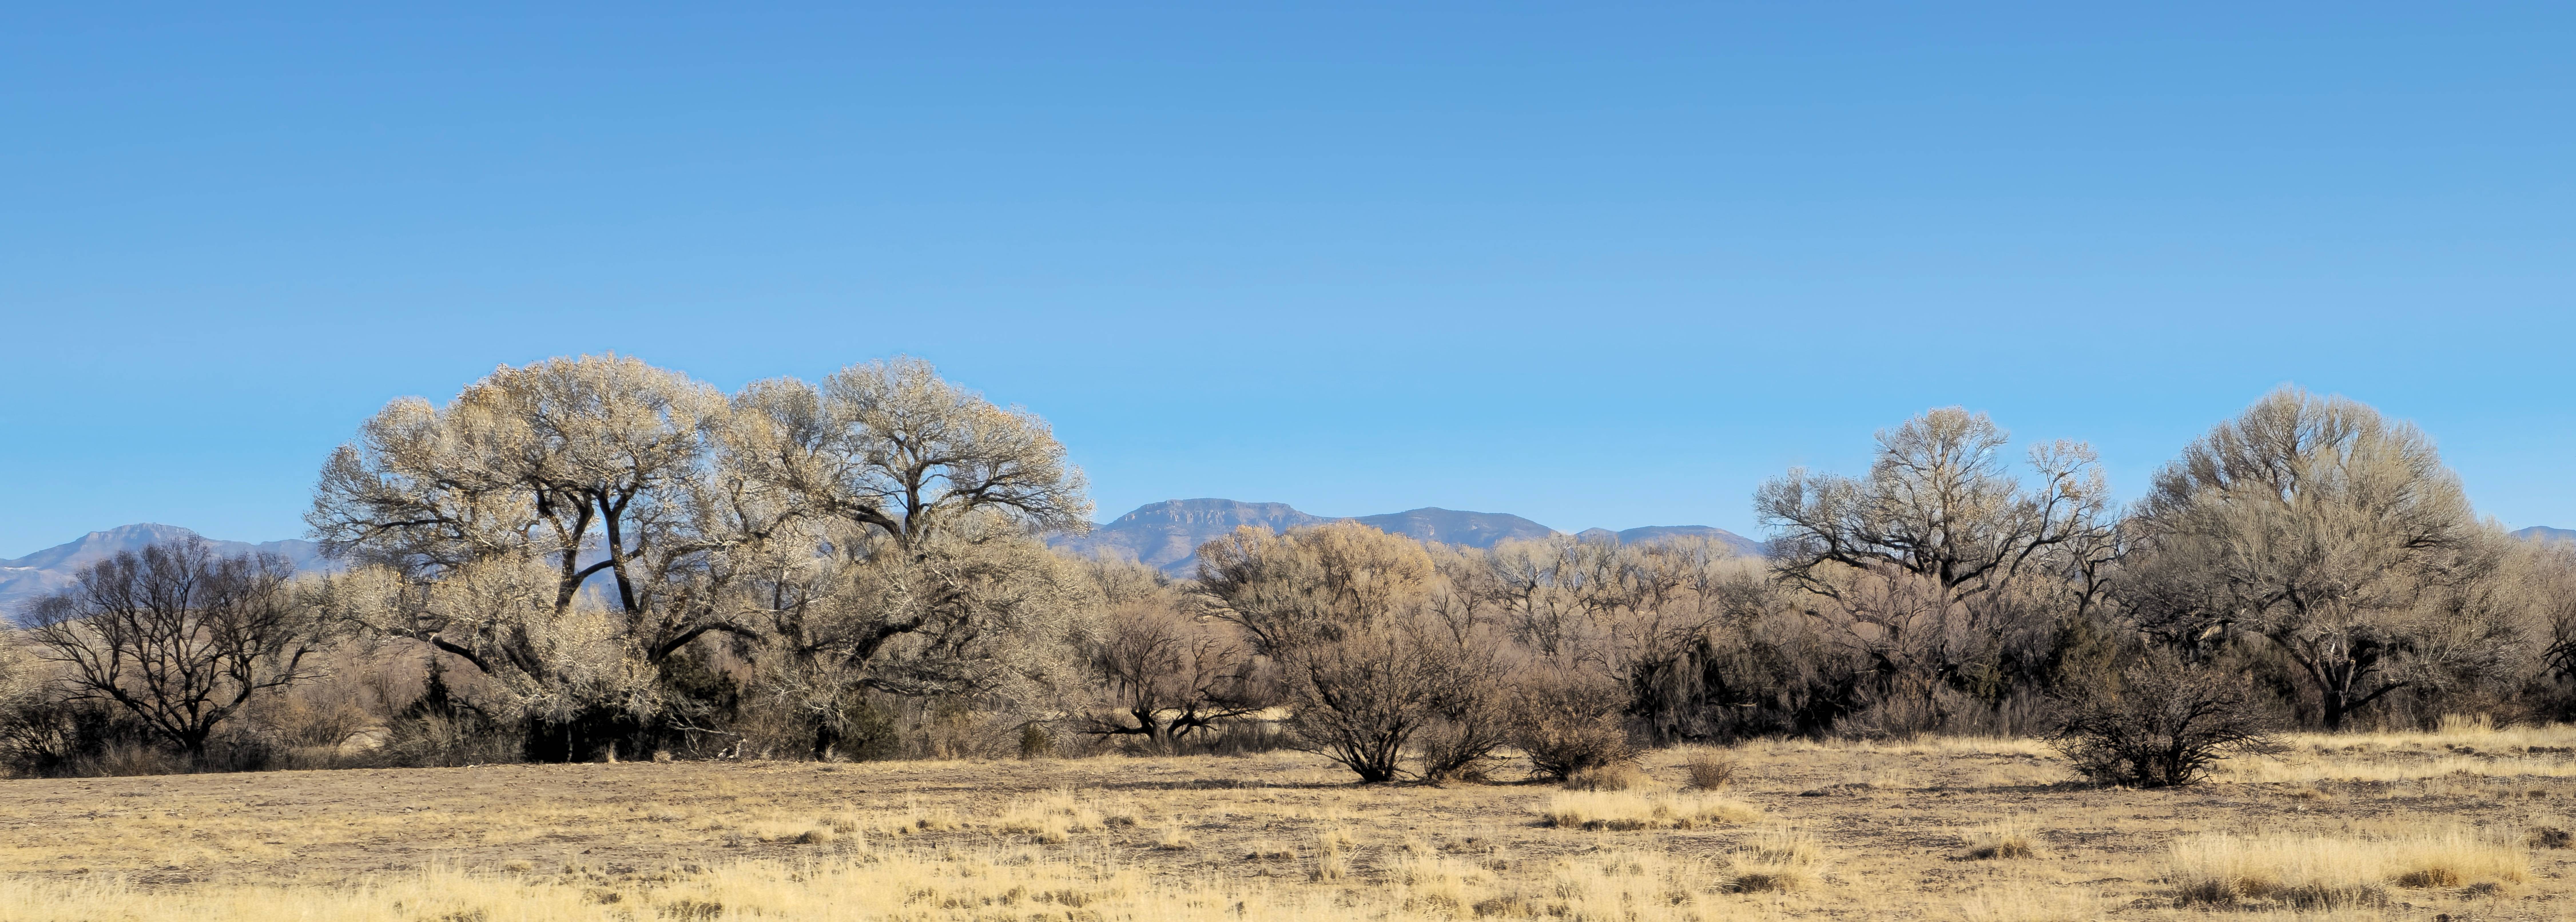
485 520
1939 503
906 556
1310 584
177 636
1345 611
893 448
1900 562
571 526
2337 536
1165 674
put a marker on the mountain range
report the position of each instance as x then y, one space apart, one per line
1167 535
53 568
2546 533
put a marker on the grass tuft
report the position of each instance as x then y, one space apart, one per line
1625 811
2003 839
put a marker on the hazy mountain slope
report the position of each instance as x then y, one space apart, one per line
1449 526
1649 533
1167 534
2546 533
53 568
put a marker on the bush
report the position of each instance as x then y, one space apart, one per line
2166 724
1709 769
1616 776
1566 723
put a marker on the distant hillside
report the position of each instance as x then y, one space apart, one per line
53 568
1449 526
2546 533
1653 533
1167 535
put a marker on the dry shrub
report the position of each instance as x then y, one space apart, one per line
2167 724
1709 769
2009 838
1332 855
1617 776
1624 811
2320 873
1568 720
2551 837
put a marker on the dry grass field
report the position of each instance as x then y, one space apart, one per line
2462 824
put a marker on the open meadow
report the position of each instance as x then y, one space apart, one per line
2462 824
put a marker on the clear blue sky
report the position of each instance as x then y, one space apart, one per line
1594 266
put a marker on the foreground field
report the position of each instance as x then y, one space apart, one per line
2457 825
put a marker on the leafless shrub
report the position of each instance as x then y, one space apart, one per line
2167 724
1568 721
1709 769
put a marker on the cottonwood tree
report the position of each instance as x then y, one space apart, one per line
177 636
1940 503
906 558
2335 535
891 448
1902 558
546 526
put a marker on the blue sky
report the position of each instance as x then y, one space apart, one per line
1595 266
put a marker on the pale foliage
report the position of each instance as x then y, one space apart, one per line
571 525
2338 537
892 446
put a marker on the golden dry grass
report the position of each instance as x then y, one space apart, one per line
2326 872
1628 811
1887 830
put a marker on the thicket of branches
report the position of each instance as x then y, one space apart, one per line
593 558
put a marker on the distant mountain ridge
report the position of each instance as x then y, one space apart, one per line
53 568
1167 535
2546 533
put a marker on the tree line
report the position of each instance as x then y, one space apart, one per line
591 558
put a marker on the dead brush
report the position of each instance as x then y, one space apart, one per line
1332 856
1616 776
2003 839
1709 769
